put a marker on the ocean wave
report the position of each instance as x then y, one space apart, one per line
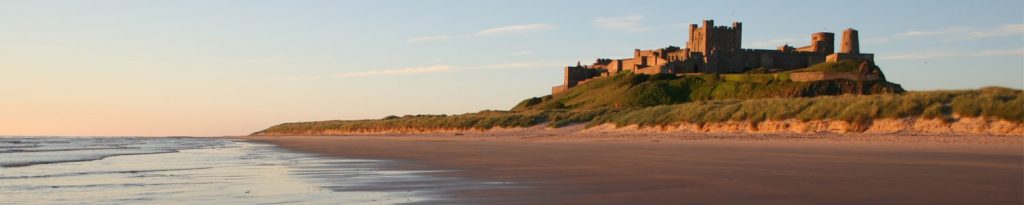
102 172
23 159
61 149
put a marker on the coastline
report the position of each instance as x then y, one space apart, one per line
569 167
975 126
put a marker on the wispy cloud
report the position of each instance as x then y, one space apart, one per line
999 53
950 30
625 23
427 38
772 43
524 28
516 65
1017 52
960 33
383 72
1005 30
441 68
919 55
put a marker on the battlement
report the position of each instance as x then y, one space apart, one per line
708 37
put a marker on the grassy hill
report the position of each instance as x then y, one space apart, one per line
630 90
631 99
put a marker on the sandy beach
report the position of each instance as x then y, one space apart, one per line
705 169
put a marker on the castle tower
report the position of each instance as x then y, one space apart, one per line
850 44
738 32
708 37
823 42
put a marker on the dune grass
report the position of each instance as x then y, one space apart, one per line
993 103
628 90
649 100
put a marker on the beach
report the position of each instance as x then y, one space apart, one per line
652 168
188 170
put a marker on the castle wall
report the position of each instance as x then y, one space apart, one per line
615 66
678 55
735 62
820 76
575 74
835 57
629 64
558 89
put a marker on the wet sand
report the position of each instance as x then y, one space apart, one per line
707 170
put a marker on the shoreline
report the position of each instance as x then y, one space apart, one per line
653 168
904 126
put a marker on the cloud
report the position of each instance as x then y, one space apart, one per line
999 53
952 34
427 38
430 69
625 23
385 72
516 65
1018 52
524 28
772 43
919 55
1005 30
950 30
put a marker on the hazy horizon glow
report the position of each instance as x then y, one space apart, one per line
213 68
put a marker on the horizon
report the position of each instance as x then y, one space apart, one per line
198 68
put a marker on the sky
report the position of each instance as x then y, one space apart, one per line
215 68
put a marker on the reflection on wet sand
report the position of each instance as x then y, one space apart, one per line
221 171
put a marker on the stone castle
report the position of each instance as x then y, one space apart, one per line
716 49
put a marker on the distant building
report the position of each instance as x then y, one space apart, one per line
716 49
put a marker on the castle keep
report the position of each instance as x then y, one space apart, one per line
716 49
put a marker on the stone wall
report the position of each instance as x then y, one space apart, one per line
820 76
836 57
558 89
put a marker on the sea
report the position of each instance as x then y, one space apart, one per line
191 170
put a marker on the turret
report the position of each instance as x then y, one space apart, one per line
823 42
850 44
737 27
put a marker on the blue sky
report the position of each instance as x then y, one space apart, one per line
234 67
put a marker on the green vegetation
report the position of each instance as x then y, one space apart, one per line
632 91
841 66
651 100
993 102
998 103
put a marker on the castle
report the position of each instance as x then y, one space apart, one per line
716 49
